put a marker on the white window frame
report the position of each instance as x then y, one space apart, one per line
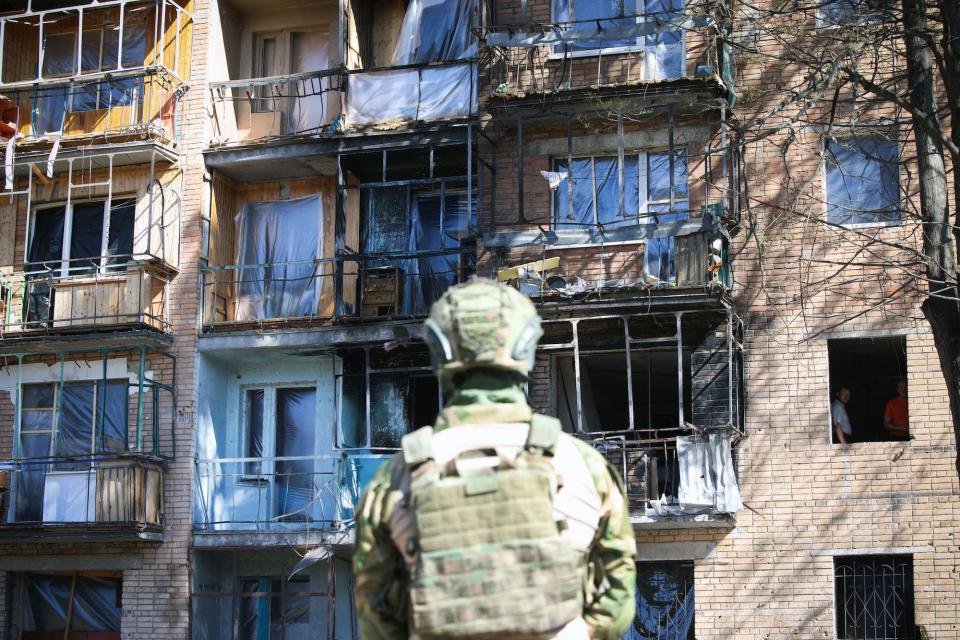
269 428
68 229
645 203
824 143
639 45
57 410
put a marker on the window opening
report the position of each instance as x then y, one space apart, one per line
868 389
655 190
838 13
429 232
874 597
70 605
862 180
280 429
403 396
665 602
663 50
69 239
65 422
274 607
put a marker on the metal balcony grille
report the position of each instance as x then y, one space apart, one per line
874 598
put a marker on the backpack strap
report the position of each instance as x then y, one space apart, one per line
543 436
418 447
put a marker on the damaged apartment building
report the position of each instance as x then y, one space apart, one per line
223 222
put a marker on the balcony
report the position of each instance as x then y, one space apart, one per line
103 497
371 288
125 107
78 74
76 298
88 448
280 499
575 48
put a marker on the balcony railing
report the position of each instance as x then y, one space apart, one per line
280 493
106 491
364 288
262 109
83 294
111 36
307 104
673 471
122 107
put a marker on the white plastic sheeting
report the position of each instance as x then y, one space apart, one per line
436 31
403 95
278 244
707 477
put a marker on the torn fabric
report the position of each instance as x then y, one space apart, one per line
554 178
707 476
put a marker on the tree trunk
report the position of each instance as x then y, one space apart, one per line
941 307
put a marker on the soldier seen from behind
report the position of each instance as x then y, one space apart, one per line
492 523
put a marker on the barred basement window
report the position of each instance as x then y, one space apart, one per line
874 597
665 602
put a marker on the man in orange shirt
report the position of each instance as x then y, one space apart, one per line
896 417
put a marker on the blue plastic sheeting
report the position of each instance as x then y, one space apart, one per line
96 603
278 244
863 180
400 221
436 31
296 436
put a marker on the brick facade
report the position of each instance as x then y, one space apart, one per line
768 572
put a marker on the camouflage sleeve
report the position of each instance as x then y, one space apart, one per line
377 564
612 562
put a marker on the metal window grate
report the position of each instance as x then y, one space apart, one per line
874 598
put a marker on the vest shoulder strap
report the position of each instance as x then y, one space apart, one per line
418 446
543 436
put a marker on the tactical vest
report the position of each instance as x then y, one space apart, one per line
488 559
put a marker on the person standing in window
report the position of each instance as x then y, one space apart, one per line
842 429
896 417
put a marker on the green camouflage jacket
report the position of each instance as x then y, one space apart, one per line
380 571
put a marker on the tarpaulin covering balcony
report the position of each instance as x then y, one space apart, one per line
403 95
433 31
278 244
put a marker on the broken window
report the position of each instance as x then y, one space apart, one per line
78 605
868 389
428 229
653 186
98 54
663 49
73 423
280 432
275 607
665 602
70 240
862 176
401 399
607 394
874 597
278 244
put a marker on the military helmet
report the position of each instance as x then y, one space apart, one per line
482 323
